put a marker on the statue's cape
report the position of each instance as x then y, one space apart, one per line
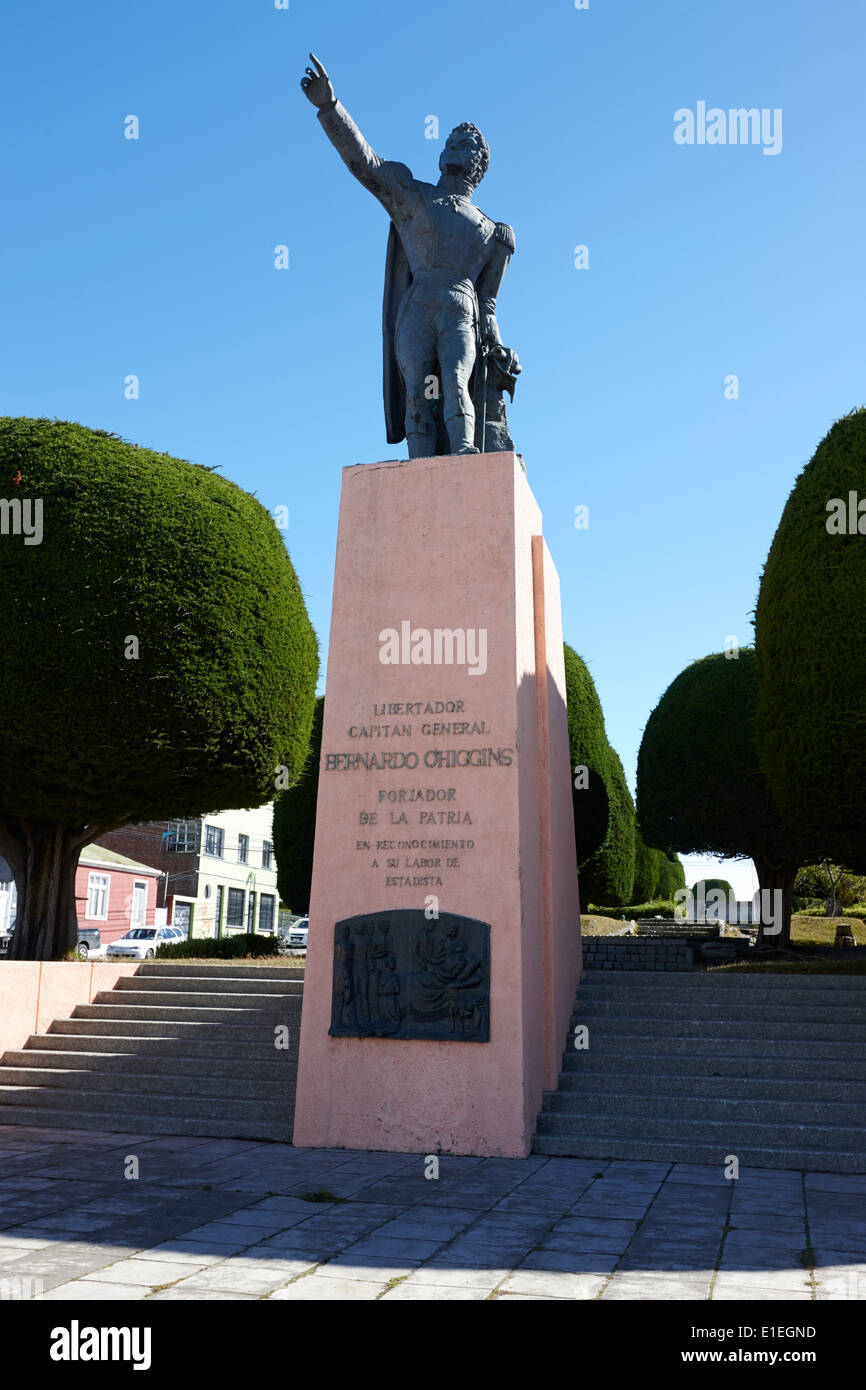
398 278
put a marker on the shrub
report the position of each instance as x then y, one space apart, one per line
811 657
224 948
158 660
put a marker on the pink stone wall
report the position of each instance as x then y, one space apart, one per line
444 543
34 993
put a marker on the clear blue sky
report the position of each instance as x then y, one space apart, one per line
155 257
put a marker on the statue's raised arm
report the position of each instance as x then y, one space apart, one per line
360 158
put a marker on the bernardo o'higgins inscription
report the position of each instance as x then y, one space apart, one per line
417 862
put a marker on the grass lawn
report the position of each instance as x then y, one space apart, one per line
821 931
593 925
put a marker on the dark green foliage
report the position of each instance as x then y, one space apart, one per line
603 811
704 886
140 544
589 748
647 869
659 907
608 877
158 660
700 787
295 826
226 948
672 875
809 624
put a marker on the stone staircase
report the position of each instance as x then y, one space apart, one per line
173 1049
691 1068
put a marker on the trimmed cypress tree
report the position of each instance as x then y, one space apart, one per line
295 826
647 870
603 809
158 660
704 887
608 877
700 783
811 709
672 876
589 750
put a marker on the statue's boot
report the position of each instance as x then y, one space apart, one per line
461 433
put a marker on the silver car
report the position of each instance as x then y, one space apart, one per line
297 934
141 943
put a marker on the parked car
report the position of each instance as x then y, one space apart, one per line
297 933
141 942
89 940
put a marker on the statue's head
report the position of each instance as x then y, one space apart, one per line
466 152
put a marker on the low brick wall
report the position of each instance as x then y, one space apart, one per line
33 993
634 953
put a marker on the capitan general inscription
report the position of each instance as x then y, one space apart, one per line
398 974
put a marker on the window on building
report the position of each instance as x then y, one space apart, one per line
251 913
182 836
213 841
267 854
243 848
266 912
97 897
235 908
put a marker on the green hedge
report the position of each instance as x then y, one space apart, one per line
140 544
295 825
811 655
659 908
225 948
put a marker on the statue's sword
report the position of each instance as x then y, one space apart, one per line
485 350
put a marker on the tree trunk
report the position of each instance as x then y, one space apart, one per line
43 857
776 878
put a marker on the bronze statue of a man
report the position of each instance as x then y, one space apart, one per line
445 366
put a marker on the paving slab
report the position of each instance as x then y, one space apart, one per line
315 1287
233 1224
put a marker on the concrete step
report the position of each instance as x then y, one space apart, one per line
699 1107
200 1046
135 1102
151 1062
590 1080
195 999
167 969
205 985
168 1013
822 1000
122 1083
732 1132
713 981
606 1042
645 1150
134 1124
746 1012
164 1028
720 1029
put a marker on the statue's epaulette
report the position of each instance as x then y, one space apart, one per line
505 234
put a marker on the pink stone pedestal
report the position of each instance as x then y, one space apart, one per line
444 543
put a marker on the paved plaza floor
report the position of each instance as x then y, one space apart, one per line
213 1219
